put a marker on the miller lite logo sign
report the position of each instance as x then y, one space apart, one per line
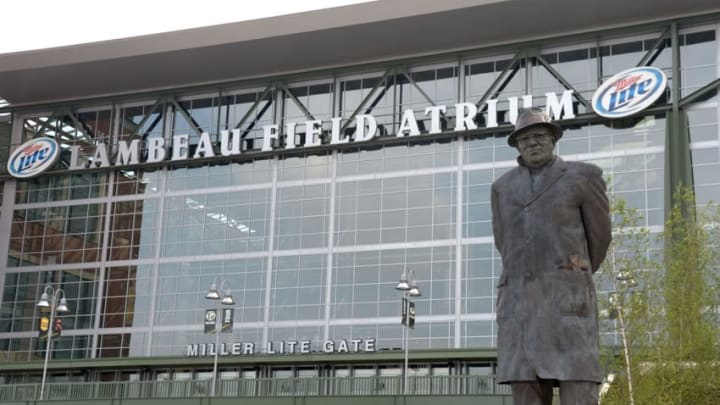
33 157
629 92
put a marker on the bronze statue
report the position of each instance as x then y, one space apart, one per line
551 225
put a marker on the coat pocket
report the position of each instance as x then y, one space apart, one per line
570 293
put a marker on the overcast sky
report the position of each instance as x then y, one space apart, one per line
37 24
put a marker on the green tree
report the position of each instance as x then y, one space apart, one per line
671 317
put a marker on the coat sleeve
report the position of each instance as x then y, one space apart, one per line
497 230
596 218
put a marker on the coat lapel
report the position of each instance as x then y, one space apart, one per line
549 177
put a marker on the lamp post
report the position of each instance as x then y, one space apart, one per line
227 299
54 301
616 299
408 286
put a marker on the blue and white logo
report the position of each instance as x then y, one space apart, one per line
33 157
629 92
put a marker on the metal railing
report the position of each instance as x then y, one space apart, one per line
259 387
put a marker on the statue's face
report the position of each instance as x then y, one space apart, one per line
536 146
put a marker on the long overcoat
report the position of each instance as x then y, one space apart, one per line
552 238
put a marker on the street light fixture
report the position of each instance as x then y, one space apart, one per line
403 284
414 290
227 299
626 279
54 301
409 288
213 293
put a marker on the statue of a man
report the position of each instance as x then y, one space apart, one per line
551 224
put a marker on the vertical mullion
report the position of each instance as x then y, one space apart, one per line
8 204
271 231
334 111
458 243
162 180
102 268
271 244
330 244
109 192
457 341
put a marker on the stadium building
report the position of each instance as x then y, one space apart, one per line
303 164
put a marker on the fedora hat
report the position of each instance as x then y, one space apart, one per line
533 117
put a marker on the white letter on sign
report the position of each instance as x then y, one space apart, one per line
360 123
270 132
465 119
408 124
156 150
562 109
204 146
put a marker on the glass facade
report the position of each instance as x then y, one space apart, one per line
311 242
